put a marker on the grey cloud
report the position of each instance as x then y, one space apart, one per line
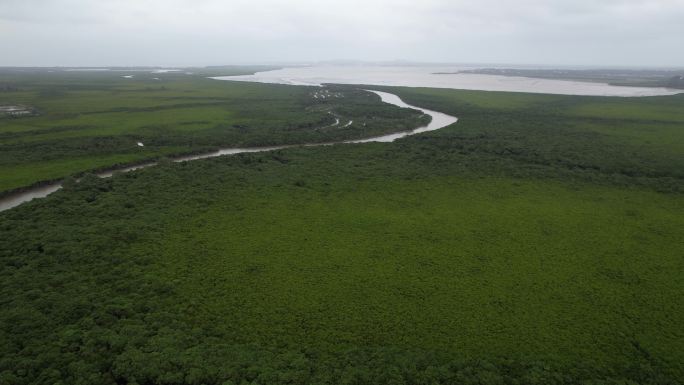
198 32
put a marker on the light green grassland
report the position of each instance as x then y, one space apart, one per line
44 171
82 119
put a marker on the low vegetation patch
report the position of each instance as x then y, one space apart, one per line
87 120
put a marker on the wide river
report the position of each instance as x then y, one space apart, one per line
438 121
440 77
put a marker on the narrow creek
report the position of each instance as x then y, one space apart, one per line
439 120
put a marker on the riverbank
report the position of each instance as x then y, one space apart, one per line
437 120
91 121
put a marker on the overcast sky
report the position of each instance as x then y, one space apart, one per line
213 32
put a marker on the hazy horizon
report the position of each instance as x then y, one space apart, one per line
183 33
353 62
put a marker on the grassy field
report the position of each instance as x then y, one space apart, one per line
622 137
86 121
534 242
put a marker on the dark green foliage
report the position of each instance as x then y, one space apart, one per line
636 139
122 280
470 255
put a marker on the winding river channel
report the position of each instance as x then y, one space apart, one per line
439 120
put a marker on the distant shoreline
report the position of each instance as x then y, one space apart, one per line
673 79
